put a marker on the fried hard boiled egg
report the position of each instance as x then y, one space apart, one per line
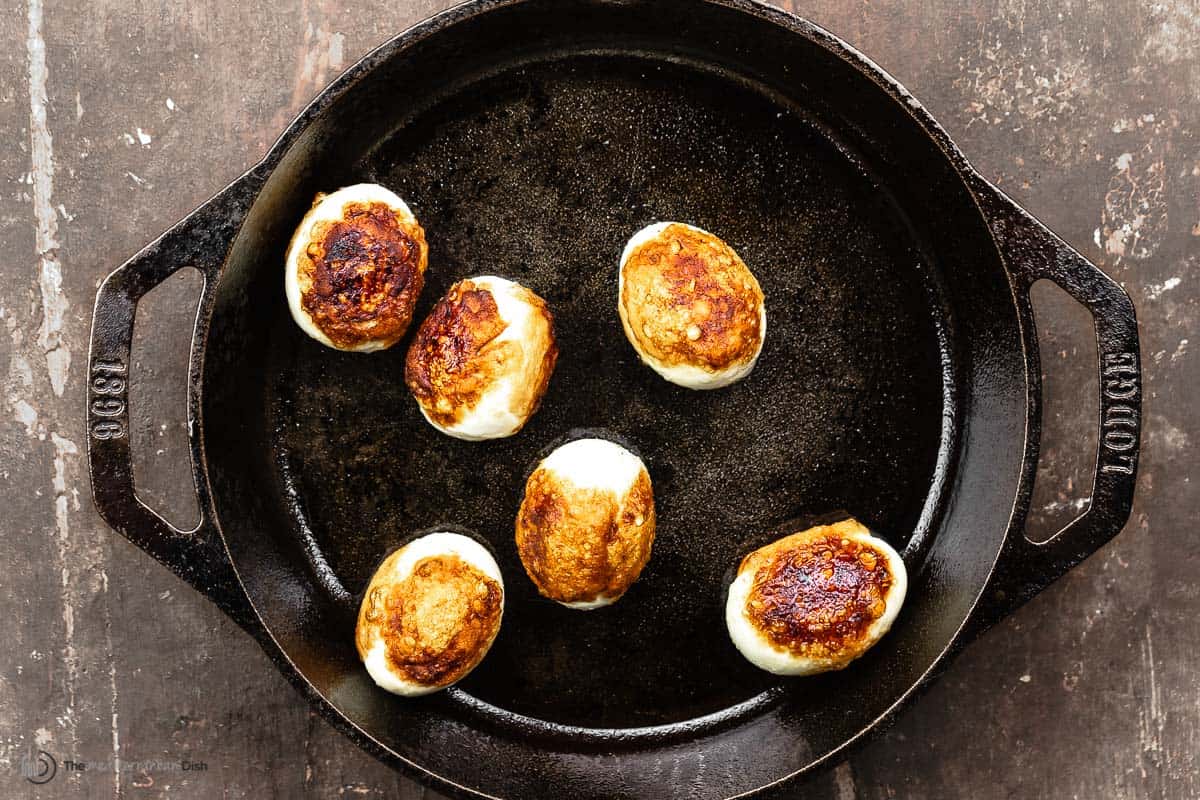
690 307
816 600
430 614
355 267
481 361
586 523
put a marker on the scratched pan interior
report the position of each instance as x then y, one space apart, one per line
540 174
534 151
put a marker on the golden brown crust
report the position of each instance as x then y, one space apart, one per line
457 355
817 593
688 298
360 276
580 544
436 624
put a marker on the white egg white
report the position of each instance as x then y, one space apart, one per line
492 417
595 464
330 208
433 544
686 375
760 651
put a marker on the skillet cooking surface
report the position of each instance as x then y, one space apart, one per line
540 173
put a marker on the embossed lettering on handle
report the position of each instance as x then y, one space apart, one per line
108 399
1119 421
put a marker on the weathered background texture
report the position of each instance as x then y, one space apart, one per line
120 116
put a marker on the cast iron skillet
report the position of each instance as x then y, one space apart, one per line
900 383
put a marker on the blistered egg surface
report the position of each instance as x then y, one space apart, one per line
355 268
586 524
429 614
690 306
815 600
481 361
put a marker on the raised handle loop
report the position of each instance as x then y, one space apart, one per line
1034 253
201 240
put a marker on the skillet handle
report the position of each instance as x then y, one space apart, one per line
1033 253
201 240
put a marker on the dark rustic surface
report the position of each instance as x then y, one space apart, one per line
120 117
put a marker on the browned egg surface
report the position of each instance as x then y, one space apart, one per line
816 593
455 356
362 274
689 299
578 544
437 623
